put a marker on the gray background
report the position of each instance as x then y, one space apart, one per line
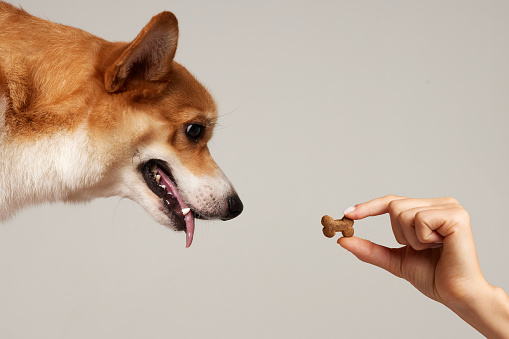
324 104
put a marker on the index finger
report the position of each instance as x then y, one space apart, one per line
371 208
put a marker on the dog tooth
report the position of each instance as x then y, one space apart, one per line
153 168
185 211
158 178
163 186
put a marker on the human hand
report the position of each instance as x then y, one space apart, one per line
439 257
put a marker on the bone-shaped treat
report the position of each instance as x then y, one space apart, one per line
331 226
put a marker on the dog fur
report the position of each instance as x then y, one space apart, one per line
82 117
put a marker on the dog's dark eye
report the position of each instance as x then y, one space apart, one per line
194 131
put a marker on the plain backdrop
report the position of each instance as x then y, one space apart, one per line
324 104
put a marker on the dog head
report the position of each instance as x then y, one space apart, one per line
159 120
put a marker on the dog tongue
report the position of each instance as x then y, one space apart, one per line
189 218
189 228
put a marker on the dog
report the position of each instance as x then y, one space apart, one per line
82 118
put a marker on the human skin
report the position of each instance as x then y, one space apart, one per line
438 258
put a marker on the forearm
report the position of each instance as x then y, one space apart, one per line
488 312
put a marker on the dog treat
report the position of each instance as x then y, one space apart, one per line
331 226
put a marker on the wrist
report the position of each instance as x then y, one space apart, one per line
487 310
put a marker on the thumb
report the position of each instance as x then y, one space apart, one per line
372 253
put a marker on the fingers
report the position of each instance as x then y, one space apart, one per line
419 223
371 208
443 220
415 226
424 223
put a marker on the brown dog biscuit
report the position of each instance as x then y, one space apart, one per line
331 226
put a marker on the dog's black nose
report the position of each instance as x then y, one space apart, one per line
235 207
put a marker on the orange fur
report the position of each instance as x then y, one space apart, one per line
109 109
54 74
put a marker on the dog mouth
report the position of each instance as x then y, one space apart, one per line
161 182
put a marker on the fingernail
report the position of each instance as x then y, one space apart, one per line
349 210
437 244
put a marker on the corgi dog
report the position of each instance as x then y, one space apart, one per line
82 117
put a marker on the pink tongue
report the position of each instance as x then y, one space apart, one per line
189 218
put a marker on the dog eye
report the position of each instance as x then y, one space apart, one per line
194 131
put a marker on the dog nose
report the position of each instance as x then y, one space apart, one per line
235 207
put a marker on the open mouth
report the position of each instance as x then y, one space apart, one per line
160 181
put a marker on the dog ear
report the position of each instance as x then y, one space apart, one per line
149 56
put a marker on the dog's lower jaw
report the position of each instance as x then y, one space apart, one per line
158 178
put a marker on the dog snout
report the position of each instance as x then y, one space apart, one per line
235 207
